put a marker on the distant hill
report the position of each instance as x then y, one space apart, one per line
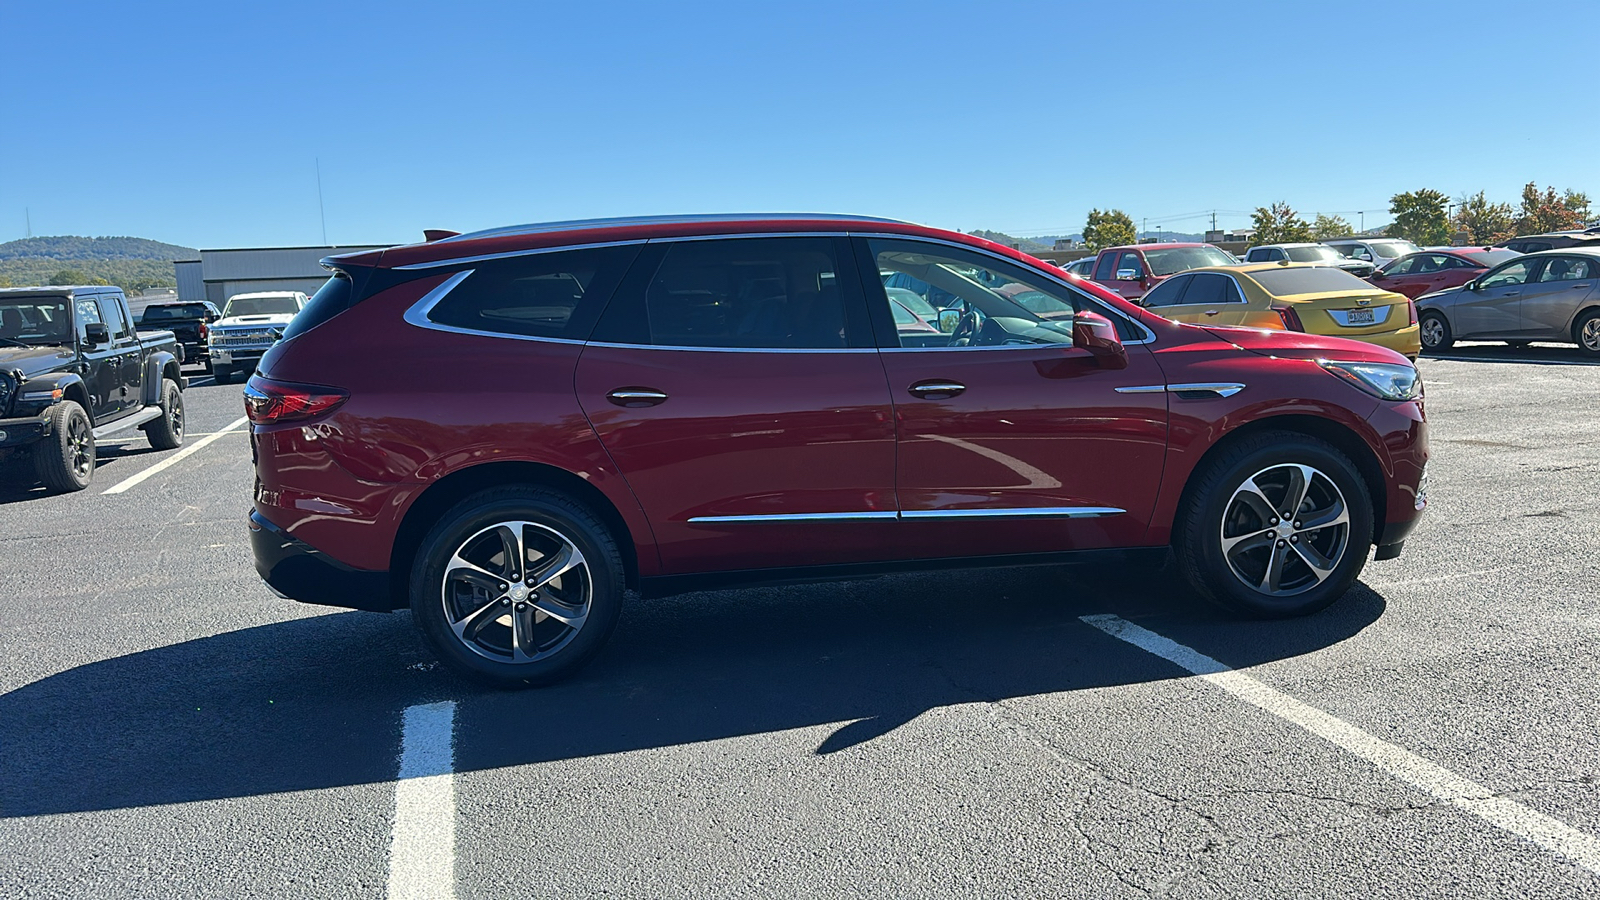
134 264
1026 245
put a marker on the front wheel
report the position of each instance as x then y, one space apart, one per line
64 461
1436 334
1587 333
1278 525
517 586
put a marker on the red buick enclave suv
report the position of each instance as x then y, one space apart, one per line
506 430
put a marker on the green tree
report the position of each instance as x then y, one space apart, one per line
1325 227
1484 222
1279 224
1420 217
1549 211
69 276
5 282
1110 228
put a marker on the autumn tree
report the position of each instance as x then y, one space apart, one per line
1484 222
1110 228
1549 211
1325 227
1279 224
1420 217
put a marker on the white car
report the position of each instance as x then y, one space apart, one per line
1378 251
250 325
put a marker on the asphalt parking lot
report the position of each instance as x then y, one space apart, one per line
168 727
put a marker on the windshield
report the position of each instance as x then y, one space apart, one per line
1491 258
1393 249
1313 254
278 304
36 320
184 311
1172 260
1309 280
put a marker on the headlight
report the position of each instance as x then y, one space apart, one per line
8 387
1384 380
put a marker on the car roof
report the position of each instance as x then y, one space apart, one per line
254 294
1560 251
1159 245
1294 244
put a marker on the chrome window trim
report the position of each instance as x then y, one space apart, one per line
1033 512
511 254
679 348
1149 336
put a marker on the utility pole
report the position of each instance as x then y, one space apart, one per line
321 211
1363 214
1213 220
27 215
1144 227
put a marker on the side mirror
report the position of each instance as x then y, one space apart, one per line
96 333
948 320
1128 275
1471 285
1098 335
1378 275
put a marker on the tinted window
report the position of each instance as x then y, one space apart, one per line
39 320
1256 254
1167 293
1178 259
1314 254
111 308
1515 273
748 293
1391 249
88 311
551 295
1208 288
990 302
1567 268
168 313
1309 280
1129 268
272 305
1402 266
1431 262
332 298
1106 268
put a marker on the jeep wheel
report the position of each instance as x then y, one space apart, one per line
166 433
517 586
64 461
1278 525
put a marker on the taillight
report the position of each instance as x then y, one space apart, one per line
204 331
269 402
1291 319
1411 311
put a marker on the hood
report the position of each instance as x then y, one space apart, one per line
1436 296
274 319
1299 345
34 361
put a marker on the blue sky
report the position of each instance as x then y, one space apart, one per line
202 124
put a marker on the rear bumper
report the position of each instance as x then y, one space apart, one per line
1407 341
298 571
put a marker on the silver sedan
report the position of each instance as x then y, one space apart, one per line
1548 296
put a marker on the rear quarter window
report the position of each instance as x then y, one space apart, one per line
549 295
335 296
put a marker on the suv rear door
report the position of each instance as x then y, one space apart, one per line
735 385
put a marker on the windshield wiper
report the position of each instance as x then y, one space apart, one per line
16 342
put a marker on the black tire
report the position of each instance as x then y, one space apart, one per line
207 364
64 461
1209 512
221 374
1435 331
1586 332
166 433
436 604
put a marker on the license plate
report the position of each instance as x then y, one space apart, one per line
1359 317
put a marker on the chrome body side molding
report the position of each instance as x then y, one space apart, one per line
1219 388
1033 512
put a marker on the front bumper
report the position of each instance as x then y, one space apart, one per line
233 356
23 431
298 571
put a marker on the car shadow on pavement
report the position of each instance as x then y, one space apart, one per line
18 484
1538 354
316 702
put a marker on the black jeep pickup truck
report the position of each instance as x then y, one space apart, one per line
74 370
190 320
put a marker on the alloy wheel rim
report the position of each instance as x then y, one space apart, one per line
516 592
1591 334
1285 529
1432 332
78 438
175 416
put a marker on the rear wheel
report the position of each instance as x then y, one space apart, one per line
64 461
517 586
1278 525
166 433
1436 334
1587 332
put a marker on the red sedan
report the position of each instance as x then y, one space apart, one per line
506 431
1421 273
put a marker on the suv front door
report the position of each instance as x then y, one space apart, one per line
126 351
1012 440
99 364
735 385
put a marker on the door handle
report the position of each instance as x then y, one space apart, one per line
636 397
1511 293
1212 312
936 390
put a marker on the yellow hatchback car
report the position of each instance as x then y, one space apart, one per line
1289 296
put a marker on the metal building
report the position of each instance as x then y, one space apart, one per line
219 274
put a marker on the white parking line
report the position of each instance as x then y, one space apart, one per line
172 460
1437 781
422 853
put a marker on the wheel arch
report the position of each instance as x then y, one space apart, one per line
1577 319
1342 437
432 503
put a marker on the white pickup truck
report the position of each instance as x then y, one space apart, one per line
250 325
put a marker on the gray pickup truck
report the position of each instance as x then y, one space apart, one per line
73 371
